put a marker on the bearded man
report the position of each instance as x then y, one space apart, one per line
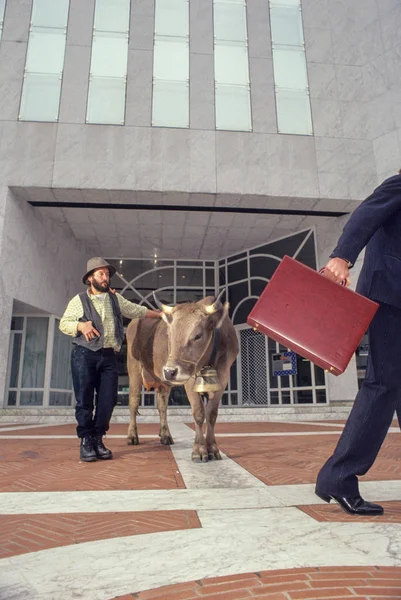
95 321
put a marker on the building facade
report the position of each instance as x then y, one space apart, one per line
193 143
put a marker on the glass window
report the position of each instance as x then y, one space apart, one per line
108 71
17 323
60 399
44 61
31 398
15 360
33 370
12 398
170 104
45 51
61 363
230 21
109 55
285 2
231 66
106 100
233 108
40 97
50 13
293 112
171 17
112 16
231 63
171 60
2 10
290 68
286 25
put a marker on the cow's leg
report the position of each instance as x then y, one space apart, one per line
135 388
212 410
199 452
162 401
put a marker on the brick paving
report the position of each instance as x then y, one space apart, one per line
53 465
30 533
334 514
297 459
356 583
266 427
70 429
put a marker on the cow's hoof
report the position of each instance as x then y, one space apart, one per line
167 440
132 441
214 456
205 458
196 457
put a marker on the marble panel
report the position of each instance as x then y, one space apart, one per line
326 117
318 45
322 80
201 26
350 83
387 152
352 47
142 24
16 21
258 21
80 23
175 145
74 89
10 98
355 120
139 88
201 111
202 161
262 95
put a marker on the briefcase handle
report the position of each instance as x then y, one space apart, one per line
343 283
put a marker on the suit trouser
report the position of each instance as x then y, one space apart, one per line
94 372
373 409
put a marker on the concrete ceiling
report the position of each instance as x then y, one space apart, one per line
133 233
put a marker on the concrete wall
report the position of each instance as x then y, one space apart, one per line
352 64
41 265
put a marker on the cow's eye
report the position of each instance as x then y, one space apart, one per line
198 336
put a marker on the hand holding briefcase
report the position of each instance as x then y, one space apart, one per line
318 319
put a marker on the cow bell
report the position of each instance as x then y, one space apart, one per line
207 381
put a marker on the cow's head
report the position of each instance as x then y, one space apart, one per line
190 329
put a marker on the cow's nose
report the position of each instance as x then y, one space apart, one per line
169 373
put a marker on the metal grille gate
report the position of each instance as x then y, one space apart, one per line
253 360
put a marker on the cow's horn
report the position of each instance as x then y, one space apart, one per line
213 307
164 307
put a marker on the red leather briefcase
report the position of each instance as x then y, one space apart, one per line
313 316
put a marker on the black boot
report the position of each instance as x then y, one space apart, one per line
86 451
100 449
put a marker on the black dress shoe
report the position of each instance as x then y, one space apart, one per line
353 505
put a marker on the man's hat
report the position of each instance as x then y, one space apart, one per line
96 263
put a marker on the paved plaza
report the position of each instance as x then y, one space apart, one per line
151 524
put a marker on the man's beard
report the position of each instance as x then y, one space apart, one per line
100 287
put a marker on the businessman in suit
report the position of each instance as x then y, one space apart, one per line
376 225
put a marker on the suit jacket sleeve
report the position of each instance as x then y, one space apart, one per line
368 218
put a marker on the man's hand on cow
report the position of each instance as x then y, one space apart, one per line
154 314
88 330
337 270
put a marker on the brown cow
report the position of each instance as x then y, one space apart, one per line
171 351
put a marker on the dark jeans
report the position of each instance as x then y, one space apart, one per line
373 410
94 372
